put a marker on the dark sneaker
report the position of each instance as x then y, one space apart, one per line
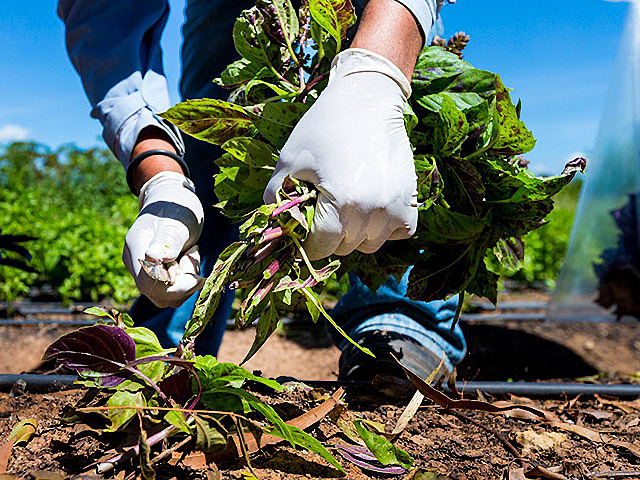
383 371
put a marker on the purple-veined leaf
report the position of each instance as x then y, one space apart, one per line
177 386
212 120
103 349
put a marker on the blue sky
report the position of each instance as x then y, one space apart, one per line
557 56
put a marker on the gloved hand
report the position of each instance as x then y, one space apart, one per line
168 225
352 144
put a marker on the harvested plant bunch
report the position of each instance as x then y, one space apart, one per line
476 199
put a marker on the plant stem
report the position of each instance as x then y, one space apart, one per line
111 463
456 317
293 203
306 260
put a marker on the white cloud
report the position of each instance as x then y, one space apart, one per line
13 133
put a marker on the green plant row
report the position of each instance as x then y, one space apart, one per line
76 204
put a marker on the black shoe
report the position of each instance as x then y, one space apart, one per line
383 371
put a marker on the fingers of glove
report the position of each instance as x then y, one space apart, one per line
269 195
163 296
367 233
185 277
168 241
326 230
136 242
409 228
189 264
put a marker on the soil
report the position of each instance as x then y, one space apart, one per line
452 445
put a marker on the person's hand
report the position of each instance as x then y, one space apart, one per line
353 145
166 229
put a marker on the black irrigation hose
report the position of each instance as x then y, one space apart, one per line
39 383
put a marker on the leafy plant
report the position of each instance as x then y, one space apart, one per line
136 385
476 201
77 204
618 269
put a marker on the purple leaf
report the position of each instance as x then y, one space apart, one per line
575 165
362 457
103 349
177 386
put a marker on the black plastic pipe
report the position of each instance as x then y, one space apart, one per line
40 383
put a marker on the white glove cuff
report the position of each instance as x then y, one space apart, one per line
161 181
356 60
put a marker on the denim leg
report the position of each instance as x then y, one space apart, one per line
429 323
207 49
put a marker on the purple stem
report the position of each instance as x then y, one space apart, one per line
265 251
110 464
271 234
292 203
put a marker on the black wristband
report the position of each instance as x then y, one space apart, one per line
149 153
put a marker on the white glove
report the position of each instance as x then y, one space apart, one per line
353 145
169 223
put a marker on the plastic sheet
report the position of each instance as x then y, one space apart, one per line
602 264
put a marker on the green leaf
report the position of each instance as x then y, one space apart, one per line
451 130
510 253
210 294
514 138
276 120
267 324
212 120
287 18
251 40
148 345
281 428
123 398
436 63
384 451
98 312
177 419
335 16
410 118
463 101
305 440
250 153
440 225
210 434
241 71
484 284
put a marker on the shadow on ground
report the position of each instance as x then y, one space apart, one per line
501 353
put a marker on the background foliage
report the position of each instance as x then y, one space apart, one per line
545 247
77 204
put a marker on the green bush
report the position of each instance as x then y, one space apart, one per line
77 204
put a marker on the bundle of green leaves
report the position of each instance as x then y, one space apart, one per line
476 200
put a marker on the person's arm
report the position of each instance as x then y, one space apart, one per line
389 29
115 47
352 143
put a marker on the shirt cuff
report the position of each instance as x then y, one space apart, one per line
127 110
425 12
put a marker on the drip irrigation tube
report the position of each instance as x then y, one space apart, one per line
40 383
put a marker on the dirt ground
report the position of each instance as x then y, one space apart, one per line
447 443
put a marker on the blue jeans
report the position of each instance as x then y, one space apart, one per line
207 49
